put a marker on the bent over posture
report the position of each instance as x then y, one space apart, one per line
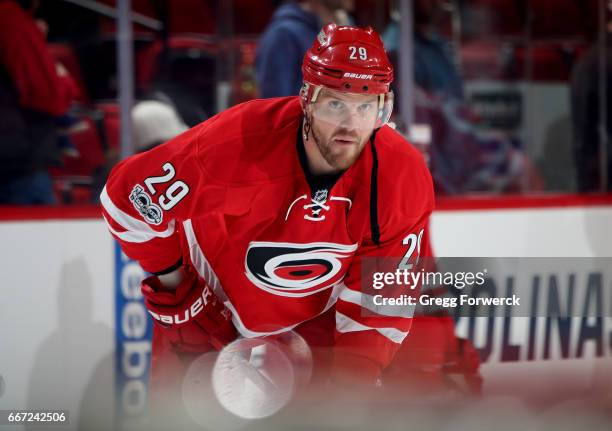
255 221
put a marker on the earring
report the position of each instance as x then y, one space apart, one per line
306 130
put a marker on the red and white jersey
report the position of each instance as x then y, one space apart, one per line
230 196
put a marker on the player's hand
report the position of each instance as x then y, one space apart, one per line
351 371
191 316
464 360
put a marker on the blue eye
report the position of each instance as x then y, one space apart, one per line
336 105
365 108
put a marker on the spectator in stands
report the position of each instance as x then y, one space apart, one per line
465 159
586 95
284 42
34 92
154 123
462 158
434 66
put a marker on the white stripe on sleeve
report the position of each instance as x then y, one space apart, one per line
367 301
345 324
136 230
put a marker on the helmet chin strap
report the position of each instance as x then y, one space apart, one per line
381 108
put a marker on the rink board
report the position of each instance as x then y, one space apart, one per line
66 319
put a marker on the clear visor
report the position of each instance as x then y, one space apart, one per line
351 111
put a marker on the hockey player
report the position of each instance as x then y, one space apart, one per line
255 222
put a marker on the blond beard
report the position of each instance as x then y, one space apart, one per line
340 161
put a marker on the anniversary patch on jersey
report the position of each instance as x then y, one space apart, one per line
143 204
288 269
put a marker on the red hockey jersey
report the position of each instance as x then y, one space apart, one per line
232 198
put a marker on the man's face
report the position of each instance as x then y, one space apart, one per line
342 124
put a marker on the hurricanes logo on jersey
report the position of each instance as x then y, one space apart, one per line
295 270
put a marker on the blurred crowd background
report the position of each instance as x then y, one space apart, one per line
503 96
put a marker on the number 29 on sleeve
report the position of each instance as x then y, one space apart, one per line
174 193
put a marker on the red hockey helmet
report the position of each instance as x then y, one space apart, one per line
352 60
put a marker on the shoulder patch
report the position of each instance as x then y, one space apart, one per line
141 200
